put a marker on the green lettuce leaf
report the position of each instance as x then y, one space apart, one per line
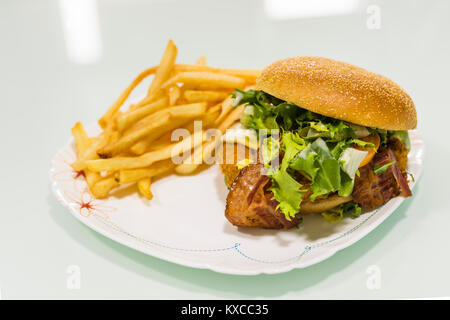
362 144
346 209
285 188
317 162
305 161
352 209
377 169
328 178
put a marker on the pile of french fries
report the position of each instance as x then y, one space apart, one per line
135 146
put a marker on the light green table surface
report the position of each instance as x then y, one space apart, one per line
45 89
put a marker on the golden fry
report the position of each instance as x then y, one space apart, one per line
157 122
234 116
159 168
103 187
174 94
123 97
188 111
91 178
114 136
91 152
144 188
206 80
247 74
202 95
146 144
162 141
211 115
80 137
184 111
128 118
82 143
164 69
227 106
155 141
147 100
179 115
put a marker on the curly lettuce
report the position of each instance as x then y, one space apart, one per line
286 189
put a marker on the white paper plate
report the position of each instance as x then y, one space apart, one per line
185 222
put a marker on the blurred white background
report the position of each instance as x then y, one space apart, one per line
65 61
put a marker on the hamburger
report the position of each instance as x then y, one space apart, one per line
339 134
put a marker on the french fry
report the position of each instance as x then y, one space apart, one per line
82 143
91 152
184 111
211 115
91 178
174 95
128 118
190 165
227 105
202 95
234 116
80 137
152 142
114 136
103 121
247 74
146 144
157 122
206 80
178 114
120 163
102 188
188 111
165 68
147 100
144 188
159 168
161 142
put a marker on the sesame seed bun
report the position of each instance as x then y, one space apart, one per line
340 90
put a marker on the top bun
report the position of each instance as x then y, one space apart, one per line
340 90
